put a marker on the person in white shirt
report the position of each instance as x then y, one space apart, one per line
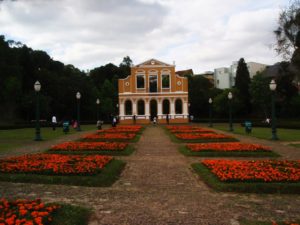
54 122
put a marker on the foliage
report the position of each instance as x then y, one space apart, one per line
261 95
200 90
242 82
288 28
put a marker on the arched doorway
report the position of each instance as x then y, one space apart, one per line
166 106
178 106
141 107
153 108
128 107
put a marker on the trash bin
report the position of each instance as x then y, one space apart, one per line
248 127
66 128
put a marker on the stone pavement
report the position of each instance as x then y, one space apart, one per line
159 187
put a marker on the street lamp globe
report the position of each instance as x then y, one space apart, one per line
78 95
98 101
37 86
210 100
273 85
230 95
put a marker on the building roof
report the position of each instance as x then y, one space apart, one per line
185 72
153 62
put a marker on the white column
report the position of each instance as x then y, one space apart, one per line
172 109
147 109
134 108
121 108
185 109
159 109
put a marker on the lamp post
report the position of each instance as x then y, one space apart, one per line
273 119
230 96
189 111
98 103
210 112
37 88
78 96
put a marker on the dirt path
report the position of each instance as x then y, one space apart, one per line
158 187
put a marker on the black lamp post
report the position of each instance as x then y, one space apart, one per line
37 88
78 96
273 119
98 103
210 112
230 96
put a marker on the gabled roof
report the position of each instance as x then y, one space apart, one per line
153 62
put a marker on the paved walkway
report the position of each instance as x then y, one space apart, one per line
158 187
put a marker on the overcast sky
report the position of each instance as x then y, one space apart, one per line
197 34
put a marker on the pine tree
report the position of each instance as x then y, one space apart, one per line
242 83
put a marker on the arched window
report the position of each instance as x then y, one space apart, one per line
178 106
128 107
141 107
166 106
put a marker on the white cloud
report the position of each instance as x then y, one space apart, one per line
199 34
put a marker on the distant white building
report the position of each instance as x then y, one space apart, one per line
224 77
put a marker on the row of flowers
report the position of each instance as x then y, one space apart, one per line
54 164
227 147
109 136
188 129
26 212
122 129
195 136
286 223
255 170
90 146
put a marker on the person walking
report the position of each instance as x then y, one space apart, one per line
54 122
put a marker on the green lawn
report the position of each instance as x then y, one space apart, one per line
19 137
263 132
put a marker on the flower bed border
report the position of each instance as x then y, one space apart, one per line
187 152
244 187
127 151
108 175
70 214
252 222
133 140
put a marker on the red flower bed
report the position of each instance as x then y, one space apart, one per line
90 146
112 136
120 129
286 223
194 136
188 129
26 212
53 164
255 170
227 147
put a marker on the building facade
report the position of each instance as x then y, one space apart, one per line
153 90
224 77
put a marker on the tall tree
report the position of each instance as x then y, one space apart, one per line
125 66
242 82
287 30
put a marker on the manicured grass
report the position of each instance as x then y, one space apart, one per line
70 214
19 137
127 151
108 175
249 187
263 132
185 151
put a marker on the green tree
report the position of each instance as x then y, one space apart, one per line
287 30
125 66
261 95
242 82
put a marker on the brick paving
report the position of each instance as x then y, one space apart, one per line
159 187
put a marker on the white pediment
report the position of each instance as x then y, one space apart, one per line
153 63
